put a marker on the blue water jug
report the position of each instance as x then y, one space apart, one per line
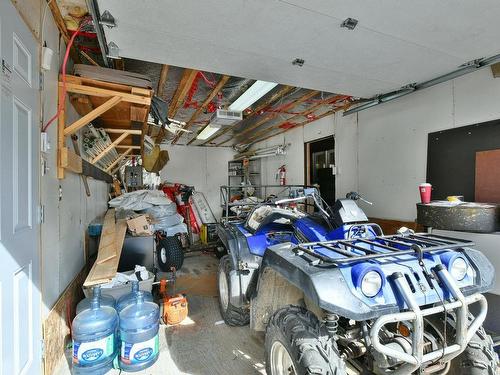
94 331
139 325
104 299
129 298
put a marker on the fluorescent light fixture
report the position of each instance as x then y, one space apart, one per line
208 131
254 93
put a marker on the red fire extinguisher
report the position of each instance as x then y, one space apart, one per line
282 175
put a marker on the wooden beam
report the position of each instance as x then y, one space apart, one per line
109 148
127 146
120 158
218 87
162 80
187 79
76 148
120 131
272 115
92 115
295 117
96 91
70 160
272 99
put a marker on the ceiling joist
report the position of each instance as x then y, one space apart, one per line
162 81
187 79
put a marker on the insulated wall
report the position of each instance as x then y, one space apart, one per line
205 168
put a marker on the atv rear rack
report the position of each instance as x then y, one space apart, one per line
380 247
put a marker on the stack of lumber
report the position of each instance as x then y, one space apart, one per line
110 248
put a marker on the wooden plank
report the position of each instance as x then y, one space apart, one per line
61 140
120 158
128 146
139 114
95 91
187 79
308 95
107 241
201 108
119 131
109 148
70 160
272 99
92 115
105 271
162 81
113 86
487 176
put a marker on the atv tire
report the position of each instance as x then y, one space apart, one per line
169 253
232 315
297 332
478 358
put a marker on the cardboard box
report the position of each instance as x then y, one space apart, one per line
140 226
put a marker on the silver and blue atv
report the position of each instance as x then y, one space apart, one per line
364 303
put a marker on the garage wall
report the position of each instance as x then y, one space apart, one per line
205 168
392 142
345 131
67 209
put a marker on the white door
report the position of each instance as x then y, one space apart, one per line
20 325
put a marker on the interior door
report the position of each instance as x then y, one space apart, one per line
20 297
321 167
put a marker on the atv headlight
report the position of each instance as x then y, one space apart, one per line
371 283
458 268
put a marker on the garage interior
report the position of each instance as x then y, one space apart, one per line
149 141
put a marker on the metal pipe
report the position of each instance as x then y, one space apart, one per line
465 69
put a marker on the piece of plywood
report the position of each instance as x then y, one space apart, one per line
487 181
103 272
56 328
107 248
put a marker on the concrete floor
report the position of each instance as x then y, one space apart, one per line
202 344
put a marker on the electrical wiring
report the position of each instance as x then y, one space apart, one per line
62 99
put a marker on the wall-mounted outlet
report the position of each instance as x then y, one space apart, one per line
44 142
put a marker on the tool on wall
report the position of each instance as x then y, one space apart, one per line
281 175
74 139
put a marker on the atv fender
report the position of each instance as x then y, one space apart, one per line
244 264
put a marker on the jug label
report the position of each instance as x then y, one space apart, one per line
88 352
139 352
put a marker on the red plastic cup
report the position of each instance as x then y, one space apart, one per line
425 192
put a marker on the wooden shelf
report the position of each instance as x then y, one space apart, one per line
121 109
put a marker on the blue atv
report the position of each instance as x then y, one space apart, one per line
333 293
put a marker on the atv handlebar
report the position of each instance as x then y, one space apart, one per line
356 196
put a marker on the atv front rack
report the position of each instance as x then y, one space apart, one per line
376 247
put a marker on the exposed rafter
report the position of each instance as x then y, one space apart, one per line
200 109
257 111
162 80
187 79
272 115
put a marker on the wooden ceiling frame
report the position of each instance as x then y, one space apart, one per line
187 79
331 100
162 80
113 94
257 111
308 95
217 88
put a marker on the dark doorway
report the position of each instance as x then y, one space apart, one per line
320 165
